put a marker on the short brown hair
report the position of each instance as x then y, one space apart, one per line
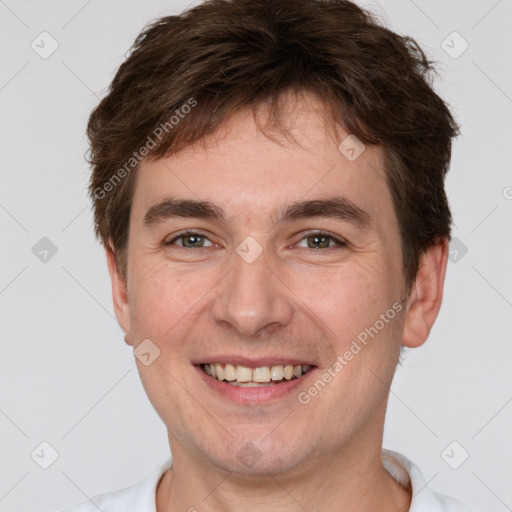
223 56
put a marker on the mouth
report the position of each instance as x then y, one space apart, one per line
262 376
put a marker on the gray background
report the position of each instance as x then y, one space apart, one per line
66 376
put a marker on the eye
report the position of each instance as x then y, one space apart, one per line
316 240
322 240
190 240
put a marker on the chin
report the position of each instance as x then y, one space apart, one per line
260 458
257 465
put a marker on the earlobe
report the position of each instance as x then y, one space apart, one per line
119 293
426 295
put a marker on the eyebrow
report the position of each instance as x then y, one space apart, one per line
337 207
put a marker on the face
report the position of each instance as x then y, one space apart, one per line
295 260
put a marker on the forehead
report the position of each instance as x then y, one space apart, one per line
252 174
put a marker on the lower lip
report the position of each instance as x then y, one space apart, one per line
253 394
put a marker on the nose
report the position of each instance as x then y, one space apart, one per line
252 297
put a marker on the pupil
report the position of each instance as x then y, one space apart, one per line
192 237
316 239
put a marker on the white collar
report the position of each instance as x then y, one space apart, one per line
141 497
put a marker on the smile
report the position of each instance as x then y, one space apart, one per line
244 376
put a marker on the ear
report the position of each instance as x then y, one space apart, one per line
426 294
119 293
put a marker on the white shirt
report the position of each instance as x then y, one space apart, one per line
142 496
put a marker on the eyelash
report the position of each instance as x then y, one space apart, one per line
338 243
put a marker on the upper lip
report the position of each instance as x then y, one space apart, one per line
252 362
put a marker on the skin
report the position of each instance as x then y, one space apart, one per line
292 301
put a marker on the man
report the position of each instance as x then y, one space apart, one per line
268 182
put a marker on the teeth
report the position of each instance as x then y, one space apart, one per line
276 372
250 384
261 374
229 372
249 377
220 371
243 374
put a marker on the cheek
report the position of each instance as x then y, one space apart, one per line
346 300
162 299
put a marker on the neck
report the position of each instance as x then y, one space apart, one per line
352 479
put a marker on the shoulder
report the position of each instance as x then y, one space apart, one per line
139 497
109 502
448 504
423 498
